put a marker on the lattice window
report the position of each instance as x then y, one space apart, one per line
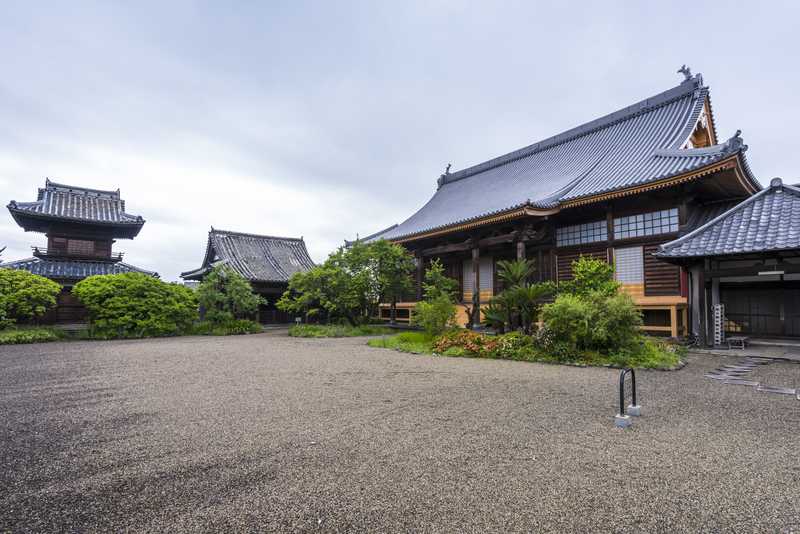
486 275
644 224
579 234
80 247
629 265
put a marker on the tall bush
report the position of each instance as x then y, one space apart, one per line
437 311
25 296
591 313
225 296
593 322
136 305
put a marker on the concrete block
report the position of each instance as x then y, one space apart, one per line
622 421
635 411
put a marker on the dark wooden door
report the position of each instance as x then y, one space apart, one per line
766 309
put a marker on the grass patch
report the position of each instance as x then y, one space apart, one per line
229 328
32 334
415 342
337 330
648 353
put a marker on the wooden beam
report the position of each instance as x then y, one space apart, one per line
787 268
469 244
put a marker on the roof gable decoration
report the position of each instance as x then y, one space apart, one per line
766 221
650 144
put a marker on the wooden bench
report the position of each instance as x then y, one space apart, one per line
739 342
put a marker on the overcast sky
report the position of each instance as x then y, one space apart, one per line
326 119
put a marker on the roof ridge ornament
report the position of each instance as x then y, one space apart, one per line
443 178
734 144
686 71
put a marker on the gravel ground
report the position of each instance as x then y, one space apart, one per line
270 433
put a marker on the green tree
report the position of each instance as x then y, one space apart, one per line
351 283
136 305
325 292
224 295
25 296
437 311
437 283
393 267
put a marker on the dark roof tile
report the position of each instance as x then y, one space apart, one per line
636 145
77 203
767 221
259 258
72 269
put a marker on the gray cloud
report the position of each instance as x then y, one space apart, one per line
325 119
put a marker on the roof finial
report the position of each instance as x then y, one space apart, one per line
734 144
443 177
686 71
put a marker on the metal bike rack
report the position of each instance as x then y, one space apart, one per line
623 417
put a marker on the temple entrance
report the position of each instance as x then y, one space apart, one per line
768 309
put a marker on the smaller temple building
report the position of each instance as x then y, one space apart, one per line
267 262
746 258
81 226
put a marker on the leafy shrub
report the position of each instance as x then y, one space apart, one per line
590 276
135 305
15 336
337 330
25 296
593 321
225 296
518 305
436 315
228 328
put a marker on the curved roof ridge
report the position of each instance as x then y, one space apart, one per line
76 189
249 234
648 104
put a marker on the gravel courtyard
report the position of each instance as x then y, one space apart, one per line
269 433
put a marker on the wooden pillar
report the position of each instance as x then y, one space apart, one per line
673 321
610 236
520 250
420 275
539 265
699 289
476 287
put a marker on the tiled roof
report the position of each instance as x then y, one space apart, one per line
634 146
259 258
767 221
72 269
77 203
